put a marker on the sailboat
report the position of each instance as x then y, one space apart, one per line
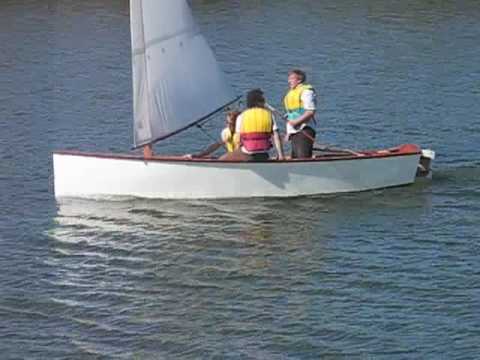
172 66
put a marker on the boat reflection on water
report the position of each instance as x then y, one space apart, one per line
170 269
185 241
138 224
234 229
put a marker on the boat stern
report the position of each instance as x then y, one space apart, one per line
424 168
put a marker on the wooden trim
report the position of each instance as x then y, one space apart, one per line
363 155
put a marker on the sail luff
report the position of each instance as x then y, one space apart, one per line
139 72
177 80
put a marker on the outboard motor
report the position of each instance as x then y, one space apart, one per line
424 168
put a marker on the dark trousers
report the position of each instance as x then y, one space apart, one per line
302 143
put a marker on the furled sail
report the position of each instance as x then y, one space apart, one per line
176 79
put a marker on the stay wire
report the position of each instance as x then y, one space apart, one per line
205 132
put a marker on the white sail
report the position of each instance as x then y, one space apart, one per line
176 79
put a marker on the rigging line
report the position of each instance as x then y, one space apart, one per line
205 132
226 107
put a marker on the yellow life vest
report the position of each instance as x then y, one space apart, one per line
256 129
231 142
293 101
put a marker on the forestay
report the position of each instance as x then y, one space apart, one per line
176 79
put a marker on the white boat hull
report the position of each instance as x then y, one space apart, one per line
103 175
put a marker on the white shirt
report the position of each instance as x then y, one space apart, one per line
309 101
238 127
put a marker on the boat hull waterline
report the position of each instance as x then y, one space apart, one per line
94 175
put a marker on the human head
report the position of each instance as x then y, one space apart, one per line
296 77
255 98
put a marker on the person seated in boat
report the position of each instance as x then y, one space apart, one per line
300 104
227 138
255 130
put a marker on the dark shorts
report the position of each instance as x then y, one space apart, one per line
302 143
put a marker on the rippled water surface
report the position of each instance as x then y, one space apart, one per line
388 274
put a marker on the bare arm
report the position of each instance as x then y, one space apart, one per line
278 145
209 149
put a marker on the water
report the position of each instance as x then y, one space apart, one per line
388 274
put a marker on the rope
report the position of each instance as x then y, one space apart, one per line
209 136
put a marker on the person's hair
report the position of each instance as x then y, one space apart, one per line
233 115
301 74
255 98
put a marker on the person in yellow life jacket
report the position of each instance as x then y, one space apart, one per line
255 130
300 104
227 136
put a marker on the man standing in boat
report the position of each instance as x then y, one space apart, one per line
255 129
300 104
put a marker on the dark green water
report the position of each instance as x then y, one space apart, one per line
389 274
